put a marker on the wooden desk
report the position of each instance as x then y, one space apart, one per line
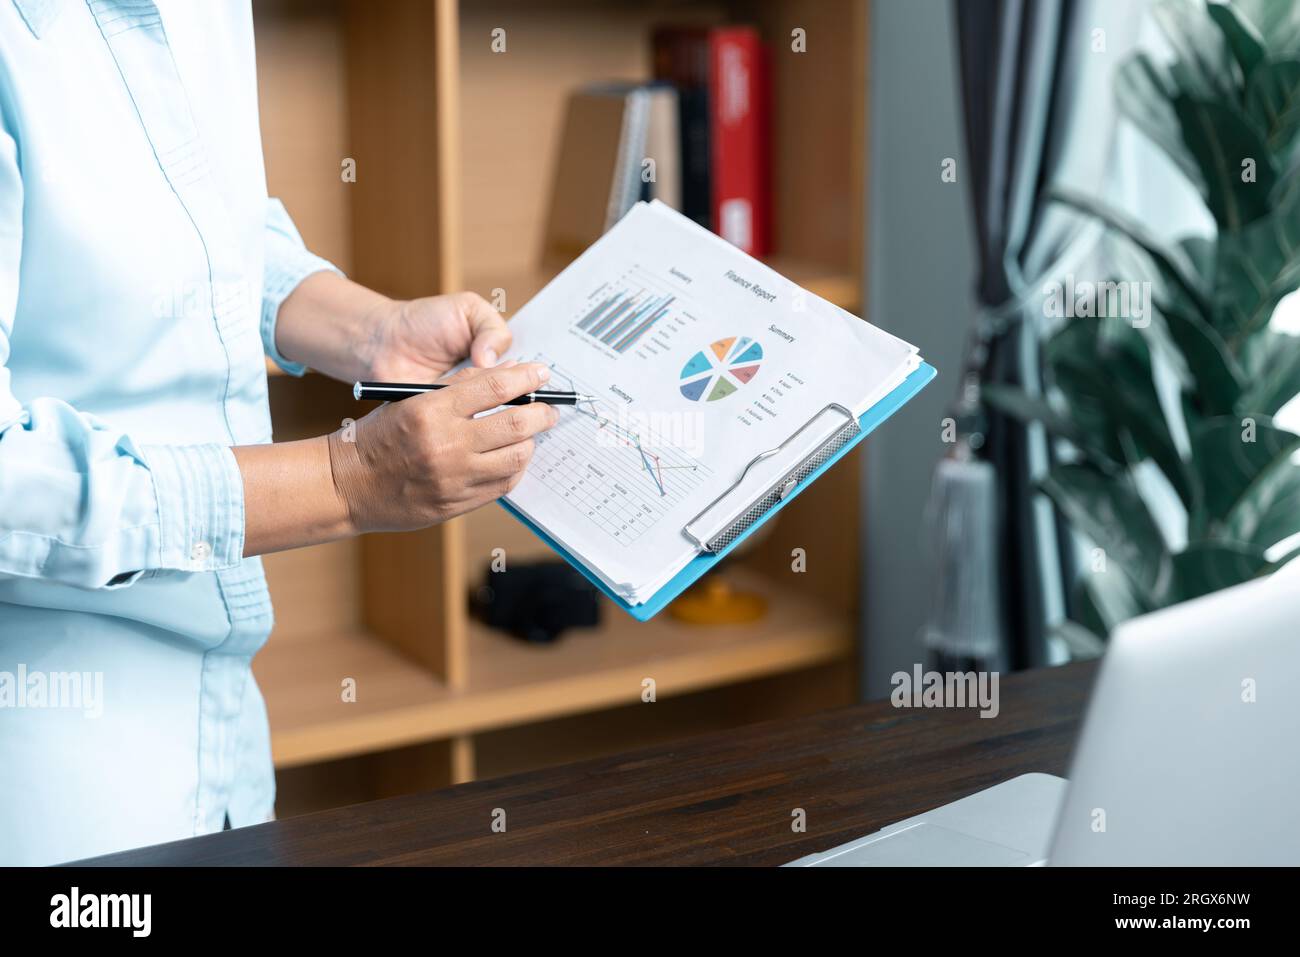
716 799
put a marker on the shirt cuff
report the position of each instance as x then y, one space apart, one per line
200 494
288 263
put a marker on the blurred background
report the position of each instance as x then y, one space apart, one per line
963 174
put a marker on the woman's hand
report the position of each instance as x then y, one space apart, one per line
417 340
343 329
423 460
407 464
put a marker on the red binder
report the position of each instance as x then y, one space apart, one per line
738 124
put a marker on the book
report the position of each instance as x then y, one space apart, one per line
738 126
718 383
619 146
596 177
663 146
722 76
681 57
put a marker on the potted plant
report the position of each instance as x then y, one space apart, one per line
1226 111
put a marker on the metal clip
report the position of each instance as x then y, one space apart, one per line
780 490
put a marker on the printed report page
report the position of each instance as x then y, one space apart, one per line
700 358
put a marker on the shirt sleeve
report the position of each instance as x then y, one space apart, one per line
83 503
288 262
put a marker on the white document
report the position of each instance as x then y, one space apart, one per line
701 358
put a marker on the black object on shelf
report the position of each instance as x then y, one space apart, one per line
537 601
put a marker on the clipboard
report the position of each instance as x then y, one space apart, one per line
719 544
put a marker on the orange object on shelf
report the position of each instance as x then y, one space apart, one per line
714 601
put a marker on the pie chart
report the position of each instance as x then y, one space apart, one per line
720 369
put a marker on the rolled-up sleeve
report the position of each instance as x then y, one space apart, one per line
288 262
81 502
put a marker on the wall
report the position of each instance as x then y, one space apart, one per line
920 285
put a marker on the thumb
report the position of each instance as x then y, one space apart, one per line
491 339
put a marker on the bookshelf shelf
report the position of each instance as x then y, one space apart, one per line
454 147
511 682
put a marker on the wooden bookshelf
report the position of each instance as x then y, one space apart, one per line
454 147
511 682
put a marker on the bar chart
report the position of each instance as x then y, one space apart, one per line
622 316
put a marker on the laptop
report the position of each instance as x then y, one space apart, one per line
1189 755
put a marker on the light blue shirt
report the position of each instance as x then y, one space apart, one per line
142 266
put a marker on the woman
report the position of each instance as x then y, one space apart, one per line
143 275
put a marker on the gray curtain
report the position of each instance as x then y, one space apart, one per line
1038 112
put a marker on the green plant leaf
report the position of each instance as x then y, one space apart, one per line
1275 380
1273 103
1232 94
1192 416
1144 92
1204 65
1174 263
1108 382
1200 252
1230 455
1221 140
1243 40
1256 268
1217 377
1026 408
1084 610
1277 23
1110 511
1205 567
1023 407
1268 511
1108 599
1083 387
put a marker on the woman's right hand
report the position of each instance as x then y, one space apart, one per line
426 459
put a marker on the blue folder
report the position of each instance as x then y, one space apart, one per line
701 563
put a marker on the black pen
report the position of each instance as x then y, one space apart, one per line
390 391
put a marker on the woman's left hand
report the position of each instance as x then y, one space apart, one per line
347 331
417 340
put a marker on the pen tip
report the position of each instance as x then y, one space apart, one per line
356 390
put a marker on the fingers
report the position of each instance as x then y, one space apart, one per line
461 375
491 491
479 495
506 464
490 388
510 426
491 338
469 372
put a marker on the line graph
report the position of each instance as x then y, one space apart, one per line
622 478
650 461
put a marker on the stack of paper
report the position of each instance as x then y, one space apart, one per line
702 359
